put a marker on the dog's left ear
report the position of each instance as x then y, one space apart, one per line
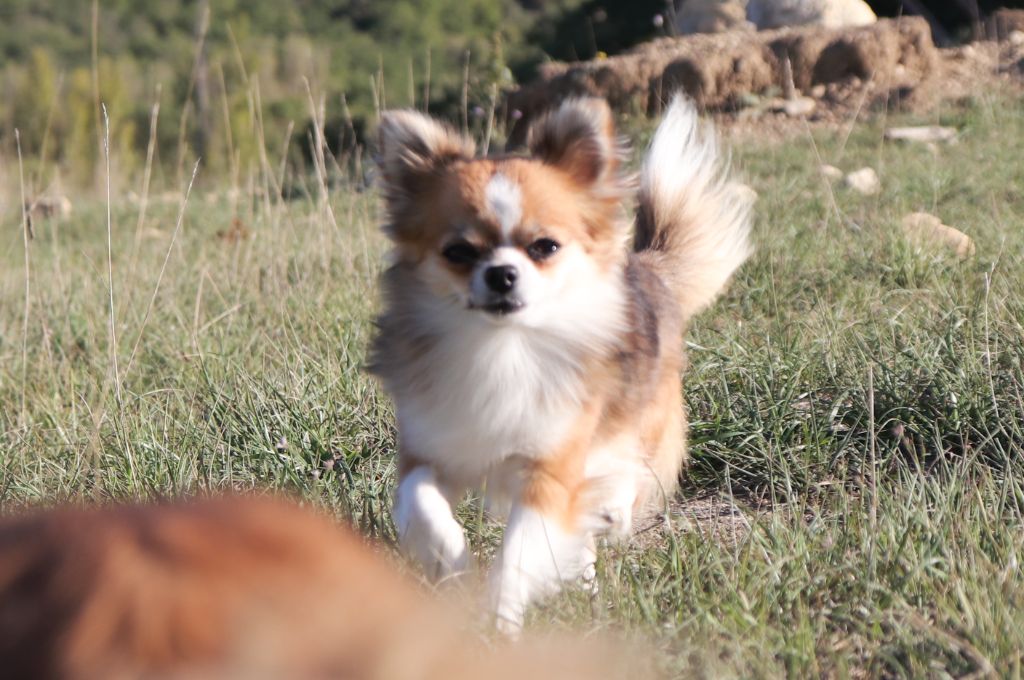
578 138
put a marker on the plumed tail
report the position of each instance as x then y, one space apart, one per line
691 219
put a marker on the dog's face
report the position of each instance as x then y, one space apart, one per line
515 240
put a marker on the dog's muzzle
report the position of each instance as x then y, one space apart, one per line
503 305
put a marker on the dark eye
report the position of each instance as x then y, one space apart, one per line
542 249
461 252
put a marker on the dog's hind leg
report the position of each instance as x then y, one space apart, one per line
546 542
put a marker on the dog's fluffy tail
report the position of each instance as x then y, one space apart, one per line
692 220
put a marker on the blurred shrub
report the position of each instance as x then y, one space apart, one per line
241 93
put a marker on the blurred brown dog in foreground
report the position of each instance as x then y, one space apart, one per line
235 587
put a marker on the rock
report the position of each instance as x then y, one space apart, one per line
818 91
711 16
830 172
922 133
828 13
902 55
714 77
799 107
1016 38
864 181
927 229
49 207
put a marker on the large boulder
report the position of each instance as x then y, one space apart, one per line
766 14
720 70
711 16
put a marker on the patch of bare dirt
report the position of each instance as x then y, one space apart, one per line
742 76
714 517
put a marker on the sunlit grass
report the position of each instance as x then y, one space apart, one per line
859 400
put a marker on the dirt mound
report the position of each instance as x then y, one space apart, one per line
893 60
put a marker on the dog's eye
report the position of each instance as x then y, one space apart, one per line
542 249
461 252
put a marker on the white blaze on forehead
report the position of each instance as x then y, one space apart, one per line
508 255
504 201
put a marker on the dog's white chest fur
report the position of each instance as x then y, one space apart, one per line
494 392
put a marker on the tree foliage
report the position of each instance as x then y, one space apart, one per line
231 76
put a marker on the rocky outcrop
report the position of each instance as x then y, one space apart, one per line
719 70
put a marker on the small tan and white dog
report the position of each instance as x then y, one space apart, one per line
531 351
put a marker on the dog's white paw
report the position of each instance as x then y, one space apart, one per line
427 529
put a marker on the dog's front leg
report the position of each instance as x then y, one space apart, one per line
538 553
427 528
546 540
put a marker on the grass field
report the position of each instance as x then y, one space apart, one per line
855 501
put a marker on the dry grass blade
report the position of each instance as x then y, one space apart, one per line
163 269
110 260
147 174
26 237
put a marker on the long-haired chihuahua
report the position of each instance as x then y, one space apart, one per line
530 349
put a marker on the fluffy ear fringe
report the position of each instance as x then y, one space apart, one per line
579 138
412 147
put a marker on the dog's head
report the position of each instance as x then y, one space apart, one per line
514 239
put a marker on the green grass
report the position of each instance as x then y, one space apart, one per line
857 397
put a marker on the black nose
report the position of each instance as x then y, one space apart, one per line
502 278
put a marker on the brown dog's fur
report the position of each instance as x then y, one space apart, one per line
233 587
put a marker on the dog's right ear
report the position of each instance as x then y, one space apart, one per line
412 148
